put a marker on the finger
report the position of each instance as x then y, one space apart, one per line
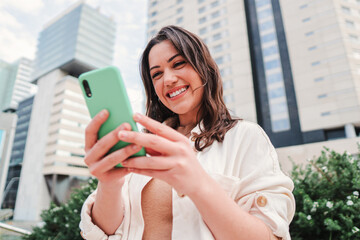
152 152
157 143
154 163
115 173
104 144
91 131
110 161
159 128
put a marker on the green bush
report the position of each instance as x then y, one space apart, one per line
327 198
62 222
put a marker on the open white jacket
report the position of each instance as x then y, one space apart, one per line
245 164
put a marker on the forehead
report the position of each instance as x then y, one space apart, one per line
162 51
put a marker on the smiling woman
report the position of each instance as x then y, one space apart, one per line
206 175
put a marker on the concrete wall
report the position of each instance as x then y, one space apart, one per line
33 195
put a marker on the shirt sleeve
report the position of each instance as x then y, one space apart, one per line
262 188
90 231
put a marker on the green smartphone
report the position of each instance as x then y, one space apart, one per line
104 89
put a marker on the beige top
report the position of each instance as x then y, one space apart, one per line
245 164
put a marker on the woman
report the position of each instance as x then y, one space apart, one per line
206 176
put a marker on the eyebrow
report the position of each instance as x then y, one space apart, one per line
169 60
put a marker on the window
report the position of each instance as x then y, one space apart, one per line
154 3
201 1
303 6
280 125
322 96
277 92
219 60
260 3
153 14
266 25
264 13
203 30
345 10
350 24
312 48
270 50
202 20
215 14
216 36
216 25
153 23
306 19
229 98
218 48
179 1
275 77
272 64
202 9
268 37
227 85
309 33
179 20
315 63
215 4
278 108
319 79
179 10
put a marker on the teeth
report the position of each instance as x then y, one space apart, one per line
174 94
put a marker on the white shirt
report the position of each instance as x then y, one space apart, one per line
245 165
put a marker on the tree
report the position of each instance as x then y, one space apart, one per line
327 198
62 222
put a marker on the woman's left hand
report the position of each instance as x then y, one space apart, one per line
172 159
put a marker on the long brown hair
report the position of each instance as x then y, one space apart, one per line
215 117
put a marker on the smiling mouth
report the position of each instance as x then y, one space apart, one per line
177 92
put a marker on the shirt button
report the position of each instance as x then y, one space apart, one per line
261 201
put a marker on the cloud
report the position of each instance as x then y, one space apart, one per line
30 7
8 20
16 45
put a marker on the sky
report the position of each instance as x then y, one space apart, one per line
21 21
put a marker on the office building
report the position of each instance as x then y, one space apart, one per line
59 114
17 154
15 83
7 132
76 41
292 67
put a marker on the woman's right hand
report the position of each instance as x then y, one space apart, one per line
101 165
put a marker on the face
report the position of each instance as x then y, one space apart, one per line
176 83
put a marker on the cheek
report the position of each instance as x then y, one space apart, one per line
158 89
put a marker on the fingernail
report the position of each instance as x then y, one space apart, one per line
137 116
124 162
135 147
122 134
103 113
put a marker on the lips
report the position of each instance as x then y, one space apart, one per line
173 93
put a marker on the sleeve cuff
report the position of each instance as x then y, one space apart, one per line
89 230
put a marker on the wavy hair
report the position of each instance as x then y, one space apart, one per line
215 117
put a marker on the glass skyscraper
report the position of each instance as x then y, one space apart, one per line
78 40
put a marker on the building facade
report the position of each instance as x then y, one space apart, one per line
17 153
59 114
275 56
15 83
76 41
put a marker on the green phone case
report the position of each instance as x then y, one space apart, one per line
108 92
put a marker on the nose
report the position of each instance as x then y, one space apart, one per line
169 78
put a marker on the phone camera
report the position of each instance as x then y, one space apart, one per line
87 88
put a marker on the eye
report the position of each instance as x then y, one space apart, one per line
155 75
178 64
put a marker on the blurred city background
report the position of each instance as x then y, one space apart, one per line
291 66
